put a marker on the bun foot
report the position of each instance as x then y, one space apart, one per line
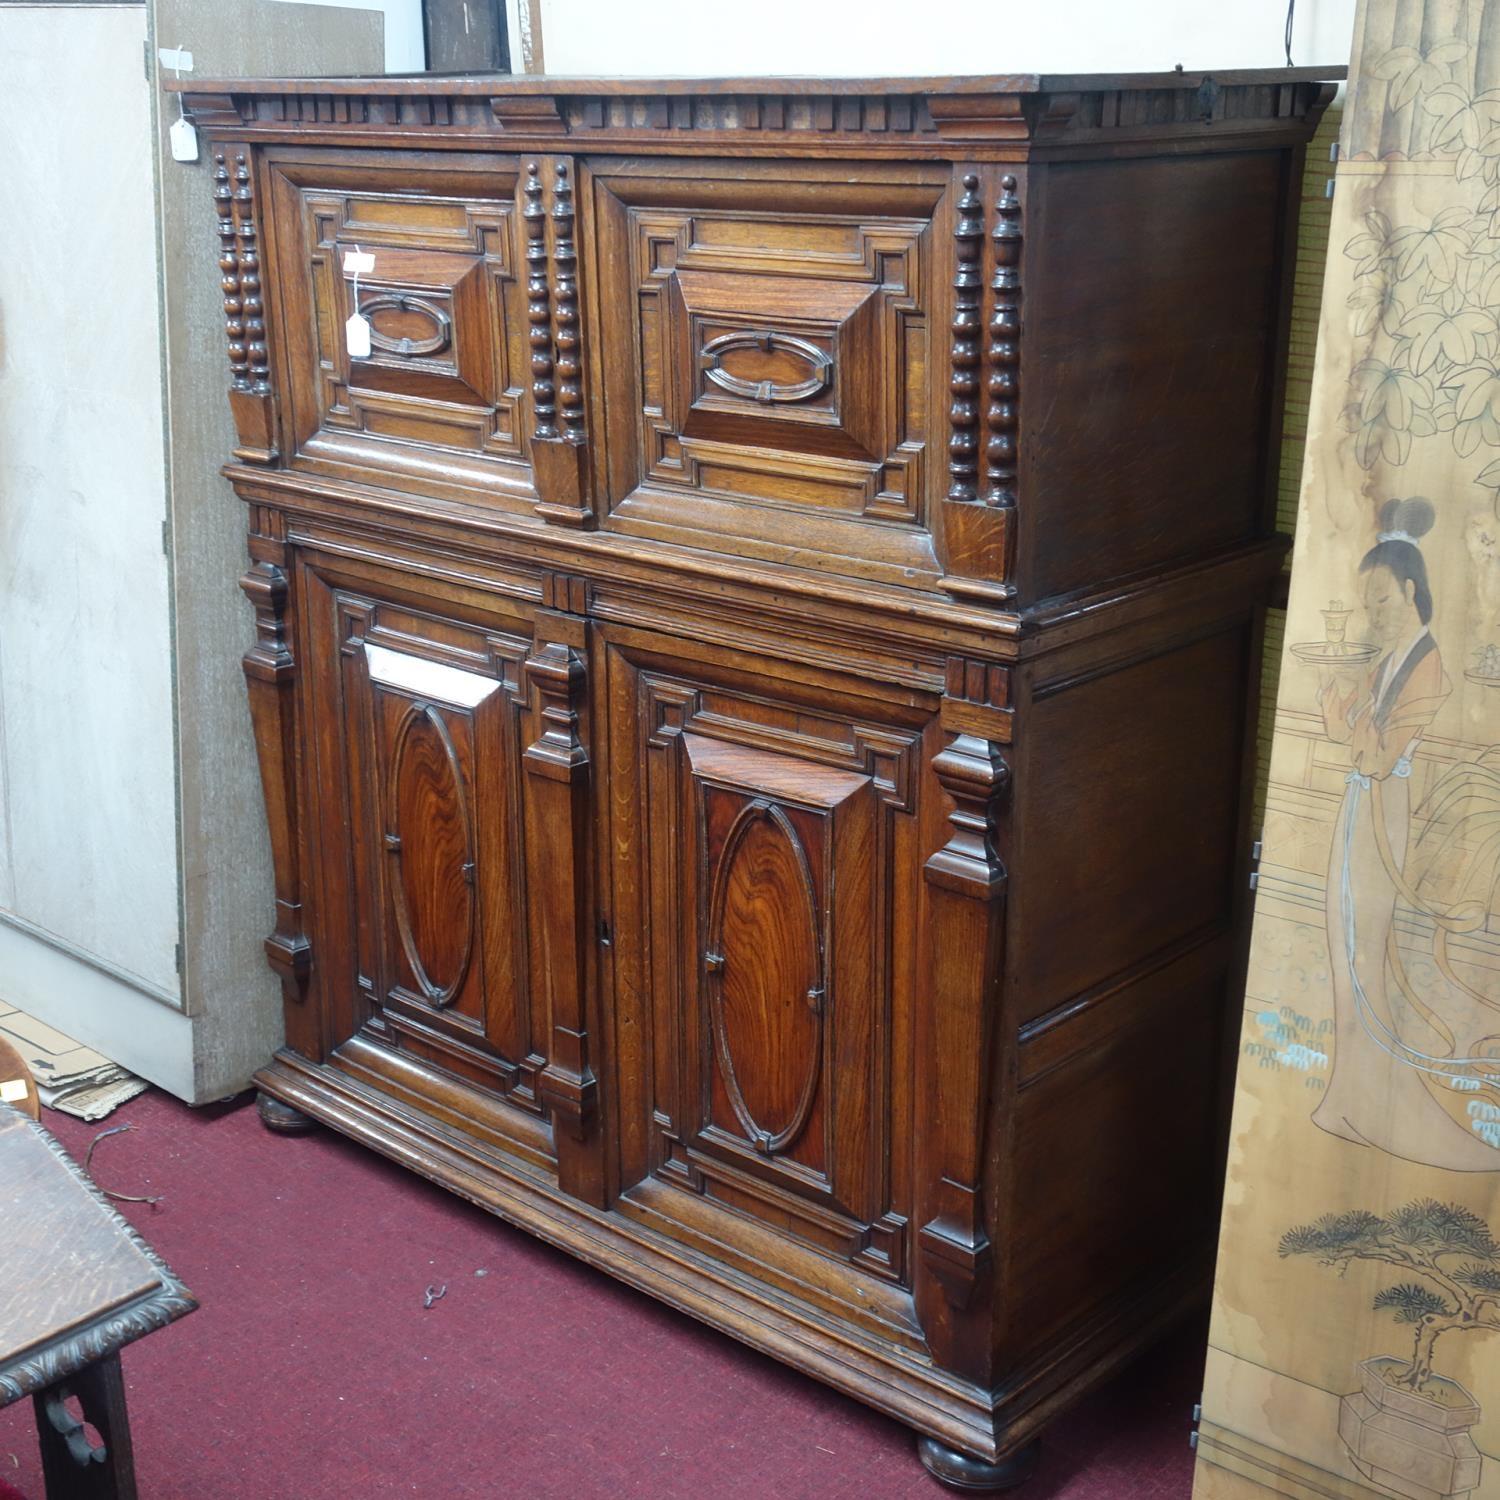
960 1472
282 1118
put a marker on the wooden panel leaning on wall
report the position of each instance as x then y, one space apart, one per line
755 677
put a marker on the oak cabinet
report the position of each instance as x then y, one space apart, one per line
754 680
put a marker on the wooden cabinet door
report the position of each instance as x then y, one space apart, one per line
766 847
428 716
769 332
437 402
452 800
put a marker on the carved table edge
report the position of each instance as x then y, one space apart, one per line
46 1364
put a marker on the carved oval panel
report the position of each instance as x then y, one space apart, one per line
401 323
431 842
765 973
766 366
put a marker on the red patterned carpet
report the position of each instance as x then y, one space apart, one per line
312 1371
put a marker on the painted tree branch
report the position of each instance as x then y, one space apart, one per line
1416 1238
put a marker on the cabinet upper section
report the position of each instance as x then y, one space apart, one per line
1000 339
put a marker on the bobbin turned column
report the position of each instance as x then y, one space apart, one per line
559 440
984 366
250 395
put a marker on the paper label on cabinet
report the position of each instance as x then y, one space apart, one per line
183 137
357 336
358 263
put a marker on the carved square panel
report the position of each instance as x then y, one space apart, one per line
436 403
767 366
774 378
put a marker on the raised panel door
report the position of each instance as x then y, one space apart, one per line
437 401
432 728
765 835
770 333
451 788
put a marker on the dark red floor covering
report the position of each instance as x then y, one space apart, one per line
312 1371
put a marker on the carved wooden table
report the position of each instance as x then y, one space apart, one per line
77 1283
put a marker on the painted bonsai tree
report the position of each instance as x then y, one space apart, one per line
1449 1254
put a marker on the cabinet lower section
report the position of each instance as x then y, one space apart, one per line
379 1098
873 1022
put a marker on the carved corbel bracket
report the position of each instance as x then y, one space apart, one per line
979 117
529 114
979 508
966 881
250 397
557 777
974 774
559 439
1051 115
270 677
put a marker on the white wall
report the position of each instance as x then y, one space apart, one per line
853 37
135 884
85 649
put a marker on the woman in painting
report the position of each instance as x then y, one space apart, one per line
1382 1090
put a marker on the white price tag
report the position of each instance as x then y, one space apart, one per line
13 1091
358 263
357 336
183 137
178 59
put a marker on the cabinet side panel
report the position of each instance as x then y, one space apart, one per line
1129 799
1116 1168
1153 323
1122 938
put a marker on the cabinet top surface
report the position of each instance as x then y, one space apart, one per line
488 84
